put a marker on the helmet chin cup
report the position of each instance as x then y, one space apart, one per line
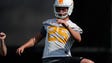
61 16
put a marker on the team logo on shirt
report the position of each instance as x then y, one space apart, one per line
59 34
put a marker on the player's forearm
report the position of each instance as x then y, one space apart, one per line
75 34
33 41
30 43
3 48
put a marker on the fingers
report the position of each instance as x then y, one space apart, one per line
20 51
2 35
86 61
60 21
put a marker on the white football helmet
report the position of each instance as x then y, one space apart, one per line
63 3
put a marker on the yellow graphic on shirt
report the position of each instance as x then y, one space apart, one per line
59 34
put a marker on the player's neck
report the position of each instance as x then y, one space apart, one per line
66 19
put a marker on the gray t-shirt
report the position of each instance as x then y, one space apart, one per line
58 39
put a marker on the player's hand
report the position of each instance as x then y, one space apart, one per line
20 50
63 22
60 21
2 35
85 60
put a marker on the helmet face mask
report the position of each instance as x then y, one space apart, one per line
63 8
61 12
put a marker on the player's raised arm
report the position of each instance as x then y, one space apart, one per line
3 47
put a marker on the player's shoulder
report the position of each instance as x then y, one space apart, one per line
49 20
72 24
75 26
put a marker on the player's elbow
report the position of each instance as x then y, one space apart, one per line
77 36
79 39
4 53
